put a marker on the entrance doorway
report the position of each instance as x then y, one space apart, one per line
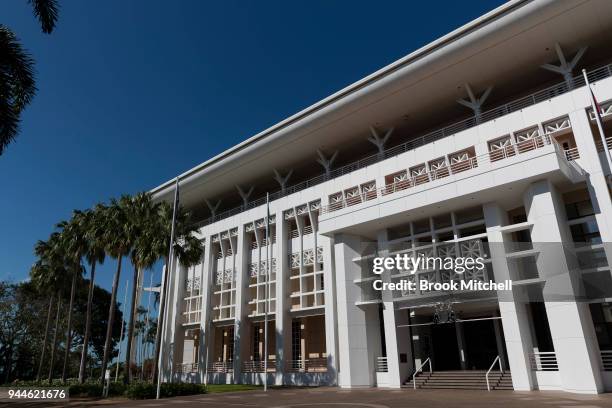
445 347
480 344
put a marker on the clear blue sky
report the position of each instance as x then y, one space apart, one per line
133 92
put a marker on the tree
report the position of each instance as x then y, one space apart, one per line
74 245
17 83
20 326
142 213
99 315
118 239
48 275
92 223
187 249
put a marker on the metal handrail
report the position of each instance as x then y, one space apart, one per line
501 370
499 111
420 368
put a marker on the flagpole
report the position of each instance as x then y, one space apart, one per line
127 283
595 108
268 247
164 299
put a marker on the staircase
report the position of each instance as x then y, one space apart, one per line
463 380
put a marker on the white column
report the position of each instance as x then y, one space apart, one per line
397 340
331 317
173 326
356 365
241 328
283 318
206 284
515 319
571 325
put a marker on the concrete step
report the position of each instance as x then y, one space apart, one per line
473 380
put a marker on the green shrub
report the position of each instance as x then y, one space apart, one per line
95 389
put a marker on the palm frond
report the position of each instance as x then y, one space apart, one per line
46 11
17 85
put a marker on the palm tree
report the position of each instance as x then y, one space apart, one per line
118 239
17 83
92 223
143 215
187 248
74 245
48 275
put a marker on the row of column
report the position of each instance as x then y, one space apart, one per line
173 333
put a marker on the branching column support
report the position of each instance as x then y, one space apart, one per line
474 103
282 180
245 195
325 162
213 208
565 68
378 141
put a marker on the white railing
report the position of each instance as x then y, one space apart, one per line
381 365
544 361
307 366
258 366
501 370
572 154
221 367
606 360
420 369
513 106
473 162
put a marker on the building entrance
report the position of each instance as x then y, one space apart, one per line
480 343
471 339
444 339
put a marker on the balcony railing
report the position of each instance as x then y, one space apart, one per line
544 361
312 365
258 366
513 106
473 162
606 360
221 367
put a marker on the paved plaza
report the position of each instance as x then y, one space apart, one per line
366 398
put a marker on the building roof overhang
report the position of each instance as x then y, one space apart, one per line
493 47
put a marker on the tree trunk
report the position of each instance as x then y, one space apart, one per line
69 328
111 319
54 349
44 346
160 321
87 324
128 350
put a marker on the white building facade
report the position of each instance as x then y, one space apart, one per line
481 143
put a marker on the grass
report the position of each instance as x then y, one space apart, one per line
217 388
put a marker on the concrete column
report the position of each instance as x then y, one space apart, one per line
176 284
206 285
571 325
596 165
242 324
331 316
397 340
515 319
283 318
356 360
